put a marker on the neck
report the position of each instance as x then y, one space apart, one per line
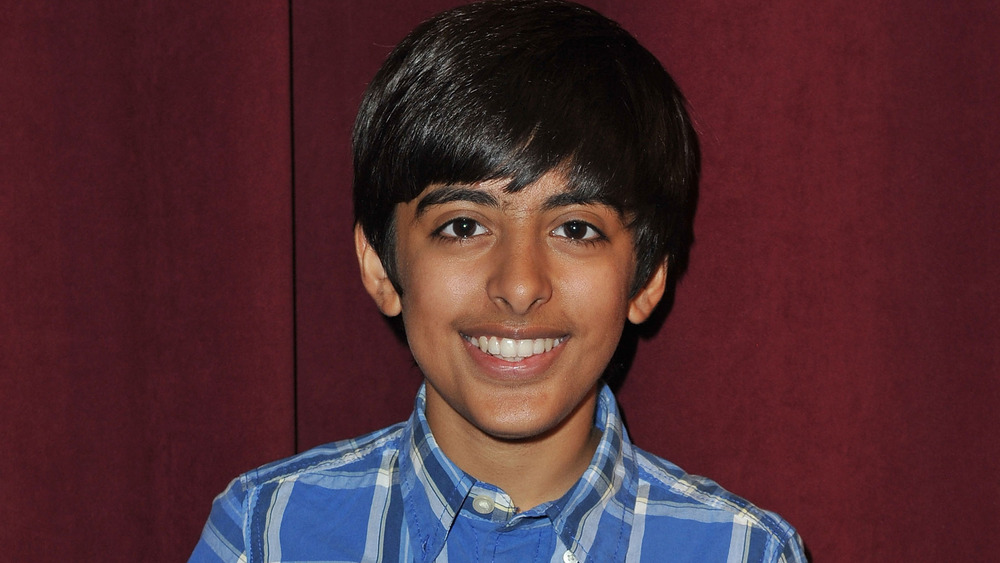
530 470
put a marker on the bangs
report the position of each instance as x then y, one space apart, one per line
490 107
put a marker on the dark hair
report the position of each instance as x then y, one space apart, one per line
514 89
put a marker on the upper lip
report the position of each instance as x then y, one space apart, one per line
514 332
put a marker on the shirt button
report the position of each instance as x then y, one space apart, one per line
568 557
483 504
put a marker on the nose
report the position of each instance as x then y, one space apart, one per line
520 278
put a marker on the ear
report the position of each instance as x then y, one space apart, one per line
373 276
642 303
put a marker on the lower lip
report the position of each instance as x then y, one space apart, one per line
530 368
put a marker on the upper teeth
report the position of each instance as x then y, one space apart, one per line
514 350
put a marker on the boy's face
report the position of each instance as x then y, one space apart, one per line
537 279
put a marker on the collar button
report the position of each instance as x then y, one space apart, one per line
483 504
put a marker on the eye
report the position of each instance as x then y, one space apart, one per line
578 230
463 227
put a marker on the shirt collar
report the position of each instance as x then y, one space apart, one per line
434 488
608 486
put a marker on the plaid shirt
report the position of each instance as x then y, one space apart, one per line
393 496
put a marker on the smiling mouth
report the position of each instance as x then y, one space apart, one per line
513 350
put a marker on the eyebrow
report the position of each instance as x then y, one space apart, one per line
571 197
446 194
449 193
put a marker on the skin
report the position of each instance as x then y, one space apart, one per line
476 261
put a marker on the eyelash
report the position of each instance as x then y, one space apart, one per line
592 235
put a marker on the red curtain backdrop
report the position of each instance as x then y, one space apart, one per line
179 299
146 328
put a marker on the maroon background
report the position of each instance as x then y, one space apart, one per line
833 351
146 345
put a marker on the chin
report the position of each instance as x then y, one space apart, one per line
520 426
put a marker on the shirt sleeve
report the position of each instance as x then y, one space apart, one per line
222 539
794 551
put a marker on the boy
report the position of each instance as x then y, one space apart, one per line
525 178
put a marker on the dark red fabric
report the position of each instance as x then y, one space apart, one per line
145 270
832 353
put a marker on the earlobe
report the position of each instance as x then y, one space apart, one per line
373 276
644 302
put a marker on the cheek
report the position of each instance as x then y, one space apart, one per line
436 288
599 294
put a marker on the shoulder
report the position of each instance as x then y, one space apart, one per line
669 483
676 500
346 460
331 485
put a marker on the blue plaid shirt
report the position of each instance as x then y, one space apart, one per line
393 496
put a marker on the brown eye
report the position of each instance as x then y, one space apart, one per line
463 227
578 230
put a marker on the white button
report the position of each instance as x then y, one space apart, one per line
483 504
568 557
